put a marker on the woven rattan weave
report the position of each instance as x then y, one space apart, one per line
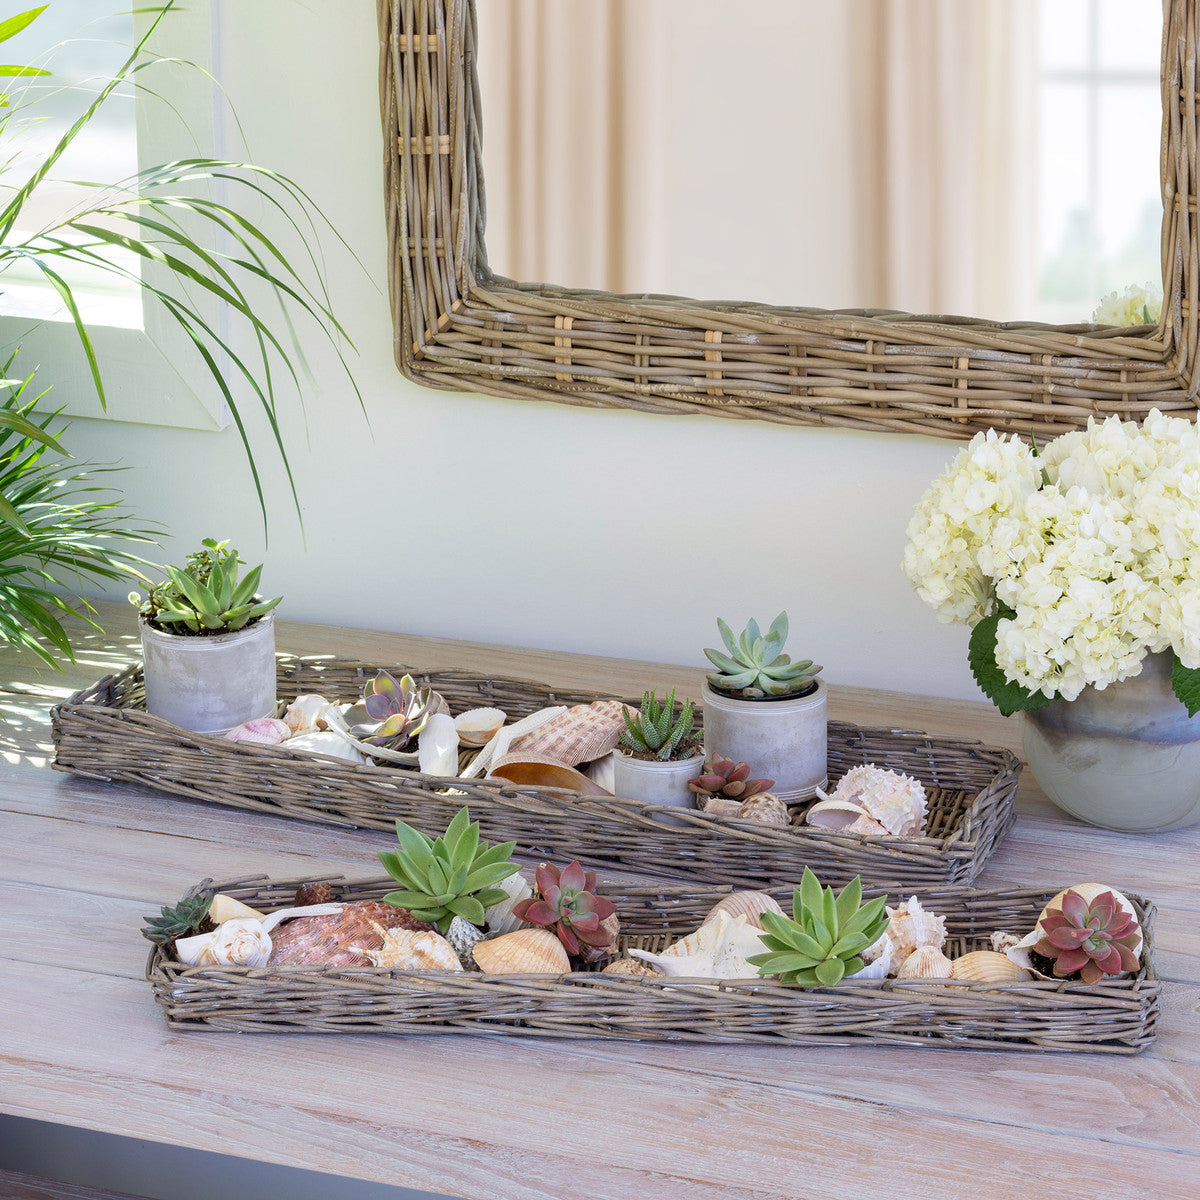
1116 1017
104 733
459 326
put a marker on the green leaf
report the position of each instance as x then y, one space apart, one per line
830 971
408 899
14 25
456 831
776 964
467 907
849 899
1185 683
727 637
809 894
1007 696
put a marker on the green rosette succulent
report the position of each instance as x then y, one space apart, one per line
755 664
657 730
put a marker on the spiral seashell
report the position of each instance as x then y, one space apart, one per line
925 962
834 814
910 927
765 808
238 942
987 966
628 966
478 726
867 825
498 918
265 730
750 905
719 949
527 951
1003 941
410 950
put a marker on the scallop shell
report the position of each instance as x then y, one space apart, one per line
478 726
410 950
498 918
582 734
322 941
897 801
527 951
910 927
266 730
310 713
925 962
719 949
765 808
628 966
987 966
750 905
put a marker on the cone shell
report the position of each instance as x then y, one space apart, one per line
581 734
910 927
750 905
765 808
478 726
628 966
527 951
410 950
226 908
988 966
925 962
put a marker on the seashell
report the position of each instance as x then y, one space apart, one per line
750 905
332 743
879 957
539 771
834 814
925 962
1002 941
498 918
910 927
719 949
310 713
240 941
322 941
603 772
527 951
226 908
498 746
867 825
987 966
318 892
464 936
437 746
478 726
720 806
628 966
897 801
582 734
410 950
765 808
266 730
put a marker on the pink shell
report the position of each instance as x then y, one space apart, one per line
262 729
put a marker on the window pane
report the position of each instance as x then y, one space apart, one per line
1063 34
1130 36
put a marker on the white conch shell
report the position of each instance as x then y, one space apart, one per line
719 949
1019 952
750 905
925 962
498 918
478 726
437 746
411 950
879 957
910 926
987 966
891 799
498 746
310 713
241 941
266 730
331 742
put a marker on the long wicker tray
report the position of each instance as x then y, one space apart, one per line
1117 1017
104 733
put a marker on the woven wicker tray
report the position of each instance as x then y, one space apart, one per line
104 733
1117 1017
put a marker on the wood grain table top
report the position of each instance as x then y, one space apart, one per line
83 1043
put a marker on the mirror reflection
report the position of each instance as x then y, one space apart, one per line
990 158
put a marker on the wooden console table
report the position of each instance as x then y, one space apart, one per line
83 1044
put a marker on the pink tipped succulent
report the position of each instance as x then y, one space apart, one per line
1093 940
568 903
728 778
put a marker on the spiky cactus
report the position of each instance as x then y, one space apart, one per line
567 903
730 779
657 731
824 940
755 665
398 709
1092 939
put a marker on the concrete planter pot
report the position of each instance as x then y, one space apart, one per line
783 740
210 684
654 782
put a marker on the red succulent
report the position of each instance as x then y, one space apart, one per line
568 903
1093 940
725 777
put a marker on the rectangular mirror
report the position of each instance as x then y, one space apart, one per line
1003 165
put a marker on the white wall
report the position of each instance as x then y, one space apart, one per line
603 532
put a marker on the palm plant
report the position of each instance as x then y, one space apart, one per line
152 215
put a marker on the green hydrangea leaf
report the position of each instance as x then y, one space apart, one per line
1007 696
1185 683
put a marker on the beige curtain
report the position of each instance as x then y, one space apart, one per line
573 94
947 143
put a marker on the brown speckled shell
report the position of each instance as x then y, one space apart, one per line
628 966
325 941
765 808
313 893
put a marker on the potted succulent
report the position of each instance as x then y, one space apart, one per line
761 707
659 753
208 643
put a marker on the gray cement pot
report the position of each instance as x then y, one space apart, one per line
654 782
1125 757
210 684
783 740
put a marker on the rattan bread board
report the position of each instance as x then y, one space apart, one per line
1117 1016
104 733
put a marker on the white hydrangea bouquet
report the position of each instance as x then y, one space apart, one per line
1071 562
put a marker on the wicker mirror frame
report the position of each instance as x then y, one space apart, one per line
459 326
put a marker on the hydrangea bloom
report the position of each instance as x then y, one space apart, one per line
1094 547
1134 306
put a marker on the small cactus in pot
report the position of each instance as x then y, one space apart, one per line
657 732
